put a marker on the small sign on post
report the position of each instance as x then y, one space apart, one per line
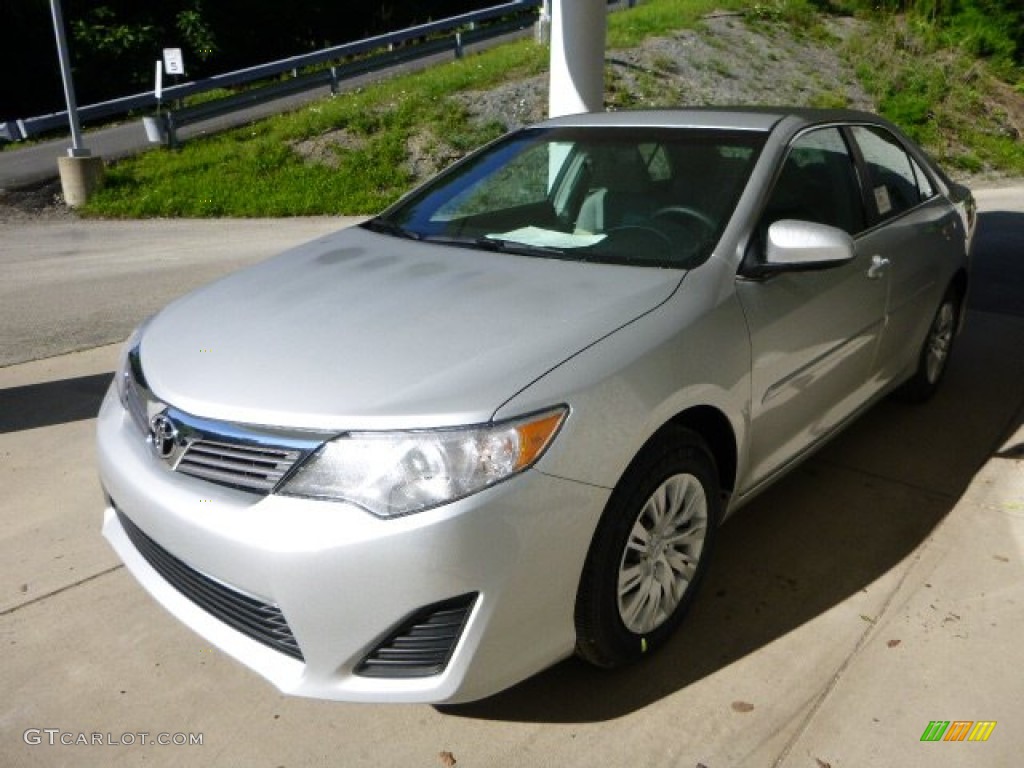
174 62
154 124
158 84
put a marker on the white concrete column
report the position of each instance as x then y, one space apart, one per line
577 56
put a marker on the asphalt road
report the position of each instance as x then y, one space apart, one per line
873 590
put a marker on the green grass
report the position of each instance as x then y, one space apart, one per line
943 97
660 17
256 170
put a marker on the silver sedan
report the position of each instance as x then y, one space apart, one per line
424 458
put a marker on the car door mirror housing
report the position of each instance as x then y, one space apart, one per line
793 246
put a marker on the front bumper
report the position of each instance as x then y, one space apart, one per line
345 580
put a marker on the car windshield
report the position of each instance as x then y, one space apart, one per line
656 197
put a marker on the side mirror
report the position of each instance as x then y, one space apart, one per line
804 245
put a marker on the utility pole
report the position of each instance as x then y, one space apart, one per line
577 56
80 172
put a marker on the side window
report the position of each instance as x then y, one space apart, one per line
892 182
656 160
818 183
924 185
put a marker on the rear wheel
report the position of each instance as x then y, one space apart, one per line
650 551
934 357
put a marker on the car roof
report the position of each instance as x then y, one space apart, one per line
722 118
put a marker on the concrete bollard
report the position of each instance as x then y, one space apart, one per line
79 178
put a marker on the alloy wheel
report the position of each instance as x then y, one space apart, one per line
940 340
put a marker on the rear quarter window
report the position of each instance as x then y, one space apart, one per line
892 182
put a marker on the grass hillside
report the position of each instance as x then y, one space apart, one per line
357 152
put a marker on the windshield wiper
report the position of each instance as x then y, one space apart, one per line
386 227
495 244
514 246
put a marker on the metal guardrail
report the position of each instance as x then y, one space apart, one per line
457 31
166 125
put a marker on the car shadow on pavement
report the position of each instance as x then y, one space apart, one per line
997 274
831 528
51 403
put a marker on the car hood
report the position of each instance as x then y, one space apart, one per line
358 330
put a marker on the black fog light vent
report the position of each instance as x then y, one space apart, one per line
423 644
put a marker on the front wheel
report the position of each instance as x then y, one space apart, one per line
649 552
934 357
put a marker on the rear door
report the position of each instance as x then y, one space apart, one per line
915 233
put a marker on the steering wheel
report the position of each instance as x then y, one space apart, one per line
689 214
639 241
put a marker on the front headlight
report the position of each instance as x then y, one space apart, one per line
397 473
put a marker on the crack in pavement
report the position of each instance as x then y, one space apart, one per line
59 590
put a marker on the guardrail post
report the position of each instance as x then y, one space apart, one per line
13 131
458 45
172 134
334 81
542 29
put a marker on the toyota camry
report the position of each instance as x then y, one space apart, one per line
425 457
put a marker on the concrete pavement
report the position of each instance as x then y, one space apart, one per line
877 588
76 284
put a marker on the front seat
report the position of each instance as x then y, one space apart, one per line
620 192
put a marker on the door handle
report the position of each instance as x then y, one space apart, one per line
878 267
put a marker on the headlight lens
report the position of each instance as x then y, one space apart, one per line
397 473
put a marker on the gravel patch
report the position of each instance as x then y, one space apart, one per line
327 148
728 61
512 105
427 155
40 202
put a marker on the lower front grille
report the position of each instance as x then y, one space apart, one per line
261 621
423 644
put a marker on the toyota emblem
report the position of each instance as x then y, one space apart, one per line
164 435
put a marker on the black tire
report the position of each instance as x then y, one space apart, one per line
617 621
934 356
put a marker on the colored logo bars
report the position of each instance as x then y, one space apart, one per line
958 730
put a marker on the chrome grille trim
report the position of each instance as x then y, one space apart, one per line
252 459
238 457
141 403
257 468
136 406
260 621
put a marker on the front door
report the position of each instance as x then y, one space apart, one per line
814 334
